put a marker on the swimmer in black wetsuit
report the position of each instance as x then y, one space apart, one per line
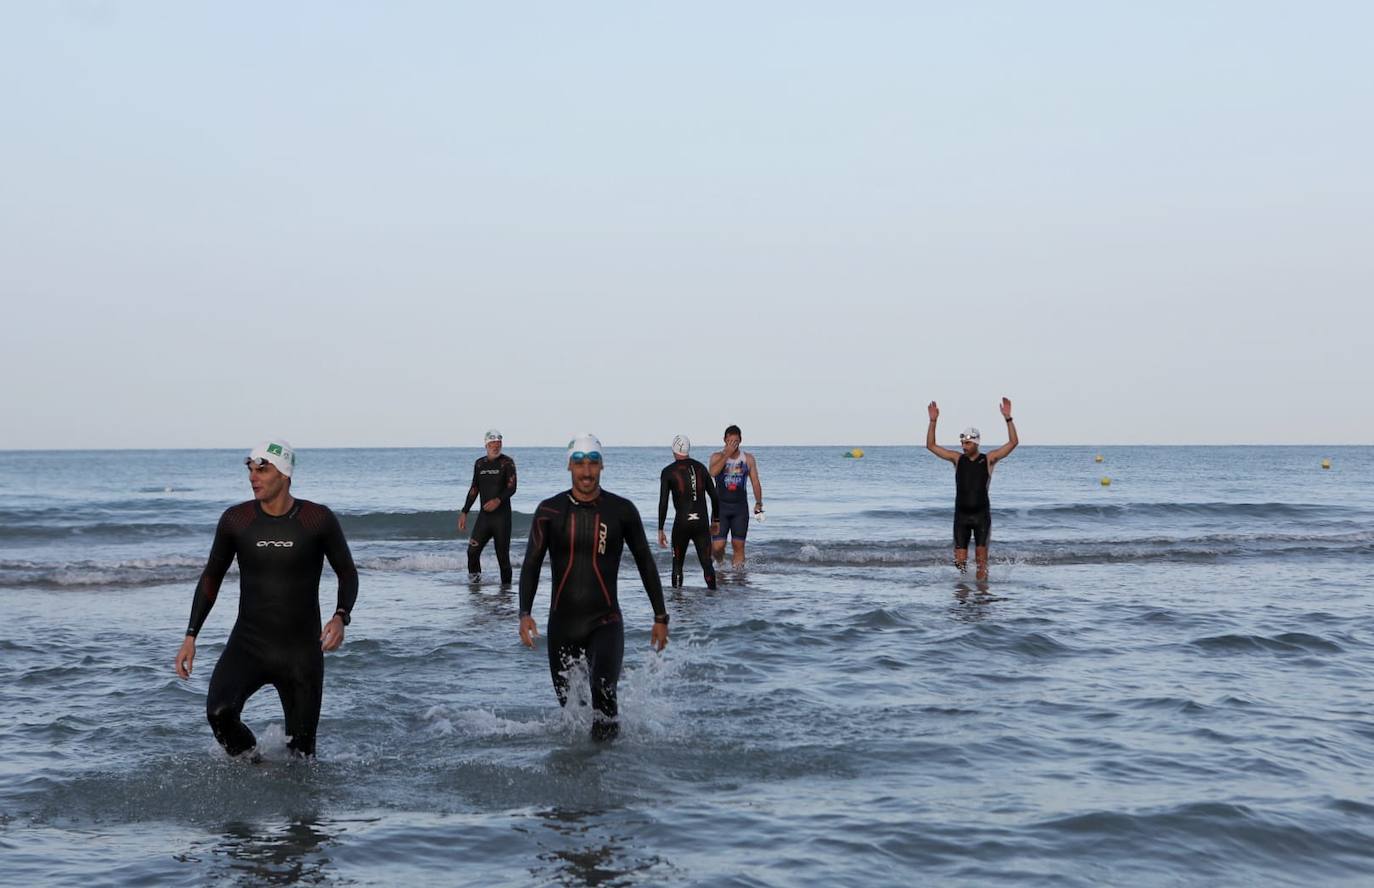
690 486
493 478
281 544
972 476
584 530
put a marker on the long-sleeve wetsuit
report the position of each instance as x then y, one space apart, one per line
276 638
585 542
689 484
492 479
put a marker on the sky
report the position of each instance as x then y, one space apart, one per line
400 224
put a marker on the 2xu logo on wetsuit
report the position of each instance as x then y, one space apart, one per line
280 544
601 543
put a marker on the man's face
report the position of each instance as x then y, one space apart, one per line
970 446
731 444
493 449
268 483
586 476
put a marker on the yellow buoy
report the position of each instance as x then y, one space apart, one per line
1097 458
1326 464
1106 482
857 453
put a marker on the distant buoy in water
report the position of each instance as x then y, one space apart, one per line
1097 458
1106 482
856 453
1326 463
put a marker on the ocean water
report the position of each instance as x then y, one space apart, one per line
1165 681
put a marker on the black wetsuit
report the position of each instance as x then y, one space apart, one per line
972 509
276 638
492 479
691 487
585 541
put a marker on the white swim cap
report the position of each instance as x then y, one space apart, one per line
970 434
585 443
682 445
278 452
491 435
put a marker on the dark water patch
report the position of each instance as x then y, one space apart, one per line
432 525
1180 705
1353 807
104 532
881 618
1218 831
1287 643
1036 645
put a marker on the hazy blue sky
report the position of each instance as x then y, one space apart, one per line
401 223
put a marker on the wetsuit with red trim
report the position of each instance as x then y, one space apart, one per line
276 638
689 484
584 542
492 479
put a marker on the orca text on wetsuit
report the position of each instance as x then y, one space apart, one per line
492 479
689 484
584 541
276 638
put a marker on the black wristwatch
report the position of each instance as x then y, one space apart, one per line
661 619
1008 419
343 615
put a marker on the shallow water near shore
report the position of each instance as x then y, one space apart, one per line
1165 681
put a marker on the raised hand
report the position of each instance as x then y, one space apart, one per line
934 411
1006 408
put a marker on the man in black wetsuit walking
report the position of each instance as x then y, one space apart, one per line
493 478
689 484
584 530
972 476
281 544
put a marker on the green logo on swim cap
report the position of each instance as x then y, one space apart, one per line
275 449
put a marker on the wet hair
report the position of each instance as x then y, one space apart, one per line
733 430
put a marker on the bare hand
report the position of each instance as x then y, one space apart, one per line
462 522
658 638
934 411
333 634
662 540
715 528
528 631
491 505
1006 408
186 656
